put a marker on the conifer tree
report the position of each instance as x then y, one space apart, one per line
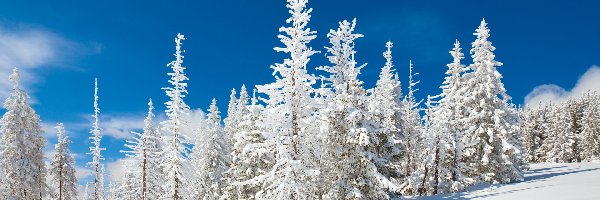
210 157
590 134
489 149
96 152
230 121
443 134
289 106
384 107
142 179
350 148
21 145
62 169
175 129
411 128
250 156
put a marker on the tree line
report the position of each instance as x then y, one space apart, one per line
305 136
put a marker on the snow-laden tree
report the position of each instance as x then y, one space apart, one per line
442 155
590 134
241 105
559 146
96 152
534 132
410 128
433 176
575 112
250 155
489 149
209 157
350 149
62 169
447 117
230 122
142 178
384 106
21 144
175 130
289 108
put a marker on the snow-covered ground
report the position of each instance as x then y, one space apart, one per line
543 181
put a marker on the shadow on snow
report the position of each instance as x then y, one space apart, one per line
534 175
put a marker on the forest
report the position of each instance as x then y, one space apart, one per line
307 136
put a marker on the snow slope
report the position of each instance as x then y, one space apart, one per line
543 181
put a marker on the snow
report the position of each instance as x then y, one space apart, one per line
542 181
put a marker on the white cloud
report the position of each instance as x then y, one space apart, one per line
83 172
550 93
120 127
116 169
49 129
27 48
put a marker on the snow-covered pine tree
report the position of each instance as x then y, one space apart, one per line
575 113
230 122
242 105
590 134
558 147
443 135
384 107
21 144
250 155
62 169
209 157
488 139
142 179
96 152
289 106
433 176
350 148
449 116
175 129
411 128
534 132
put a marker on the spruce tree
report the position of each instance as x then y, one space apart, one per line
97 190
62 169
289 106
209 157
489 149
21 145
175 129
142 179
250 157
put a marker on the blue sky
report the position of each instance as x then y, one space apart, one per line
62 46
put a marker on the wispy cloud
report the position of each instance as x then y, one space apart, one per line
550 93
83 172
116 169
28 48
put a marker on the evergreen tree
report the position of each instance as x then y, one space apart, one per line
350 149
489 149
411 128
21 145
96 152
230 121
443 135
590 135
289 107
534 132
209 157
384 107
558 145
142 179
250 156
62 169
175 129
